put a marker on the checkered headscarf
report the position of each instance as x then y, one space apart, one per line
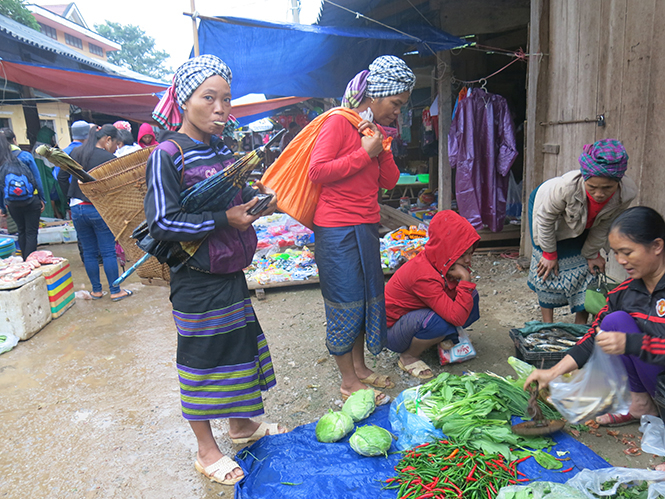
188 78
604 158
388 75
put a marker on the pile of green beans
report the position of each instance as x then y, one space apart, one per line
444 469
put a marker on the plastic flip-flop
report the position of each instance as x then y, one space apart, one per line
118 298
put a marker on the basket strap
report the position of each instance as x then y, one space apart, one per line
182 155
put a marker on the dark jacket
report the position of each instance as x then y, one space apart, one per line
647 309
99 156
227 249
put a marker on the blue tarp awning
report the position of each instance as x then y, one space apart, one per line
306 60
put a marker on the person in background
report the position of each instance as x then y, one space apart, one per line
569 218
351 168
128 144
24 212
431 295
630 325
79 132
289 136
93 233
147 136
222 358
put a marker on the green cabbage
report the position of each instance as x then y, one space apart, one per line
333 427
371 441
359 405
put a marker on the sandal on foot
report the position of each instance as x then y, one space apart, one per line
618 419
380 398
97 297
416 369
217 471
378 381
263 430
118 298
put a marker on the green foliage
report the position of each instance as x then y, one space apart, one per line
138 51
16 10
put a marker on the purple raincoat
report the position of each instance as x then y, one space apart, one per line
481 145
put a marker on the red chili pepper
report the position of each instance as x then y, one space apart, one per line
421 445
468 477
460 464
452 454
569 469
417 455
391 480
500 464
492 487
520 474
512 481
488 492
445 468
521 460
424 496
409 468
522 480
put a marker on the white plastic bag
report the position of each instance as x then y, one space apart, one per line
591 481
458 353
540 490
653 440
601 386
7 342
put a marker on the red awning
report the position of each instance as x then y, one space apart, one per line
110 94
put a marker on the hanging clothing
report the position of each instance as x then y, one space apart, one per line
481 146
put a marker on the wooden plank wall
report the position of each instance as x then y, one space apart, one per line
604 57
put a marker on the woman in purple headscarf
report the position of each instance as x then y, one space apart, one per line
570 218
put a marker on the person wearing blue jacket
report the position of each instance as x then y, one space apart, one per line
25 213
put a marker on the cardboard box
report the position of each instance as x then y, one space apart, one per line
60 287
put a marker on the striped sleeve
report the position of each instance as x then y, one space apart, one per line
166 221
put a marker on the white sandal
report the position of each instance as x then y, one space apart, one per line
221 468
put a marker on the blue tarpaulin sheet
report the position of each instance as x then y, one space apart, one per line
305 60
296 465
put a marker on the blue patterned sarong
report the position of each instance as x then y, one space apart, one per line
569 287
349 262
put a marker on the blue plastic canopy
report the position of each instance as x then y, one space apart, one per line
306 60
296 465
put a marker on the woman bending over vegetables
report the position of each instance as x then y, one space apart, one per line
432 294
631 324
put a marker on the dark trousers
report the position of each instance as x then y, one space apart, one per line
26 215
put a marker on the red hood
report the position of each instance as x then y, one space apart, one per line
450 235
146 129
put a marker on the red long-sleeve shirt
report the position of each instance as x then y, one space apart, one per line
349 178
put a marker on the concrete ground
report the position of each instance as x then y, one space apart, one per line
90 405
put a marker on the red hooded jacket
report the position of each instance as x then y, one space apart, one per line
422 283
146 129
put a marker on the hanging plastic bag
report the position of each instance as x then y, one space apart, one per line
514 197
460 352
288 176
591 481
601 386
653 440
596 292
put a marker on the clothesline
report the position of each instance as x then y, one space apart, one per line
519 56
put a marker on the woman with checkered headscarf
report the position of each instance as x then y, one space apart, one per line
570 218
222 357
352 166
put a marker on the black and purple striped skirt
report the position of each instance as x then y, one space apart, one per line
223 358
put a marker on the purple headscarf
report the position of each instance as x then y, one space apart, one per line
605 158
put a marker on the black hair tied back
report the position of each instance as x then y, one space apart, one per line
640 224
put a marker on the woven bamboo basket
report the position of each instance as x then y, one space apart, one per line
118 195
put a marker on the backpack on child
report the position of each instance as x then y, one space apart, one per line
19 180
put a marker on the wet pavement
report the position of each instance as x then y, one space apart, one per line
90 405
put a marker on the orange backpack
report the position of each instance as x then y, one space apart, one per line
288 176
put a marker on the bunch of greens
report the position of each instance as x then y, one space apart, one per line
476 410
627 491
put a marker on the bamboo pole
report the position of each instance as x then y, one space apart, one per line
194 28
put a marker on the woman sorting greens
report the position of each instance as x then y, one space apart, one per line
351 168
569 218
222 357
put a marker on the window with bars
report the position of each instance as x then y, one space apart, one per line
95 49
73 41
49 31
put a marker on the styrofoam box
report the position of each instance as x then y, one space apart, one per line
57 235
25 310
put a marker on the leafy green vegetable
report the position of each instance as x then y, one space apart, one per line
333 427
548 461
359 405
371 440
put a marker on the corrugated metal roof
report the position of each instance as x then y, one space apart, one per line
37 39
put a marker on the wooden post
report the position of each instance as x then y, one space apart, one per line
444 75
194 29
536 110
